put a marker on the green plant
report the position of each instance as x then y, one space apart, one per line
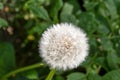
23 21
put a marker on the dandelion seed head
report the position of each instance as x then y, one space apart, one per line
63 46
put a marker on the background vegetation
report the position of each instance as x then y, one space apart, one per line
23 21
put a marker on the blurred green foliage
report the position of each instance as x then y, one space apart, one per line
23 21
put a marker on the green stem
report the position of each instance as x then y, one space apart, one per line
51 74
21 70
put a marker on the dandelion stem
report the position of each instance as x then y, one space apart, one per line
51 74
21 70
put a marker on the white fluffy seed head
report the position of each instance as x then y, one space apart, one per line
63 46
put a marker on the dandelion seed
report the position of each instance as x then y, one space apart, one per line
63 46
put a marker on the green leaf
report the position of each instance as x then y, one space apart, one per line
102 62
59 78
75 4
106 44
93 69
31 74
103 25
66 14
94 77
117 3
3 23
68 18
90 5
39 28
93 44
112 59
1 5
88 22
37 9
56 5
34 3
102 10
7 58
111 8
113 75
40 12
102 29
75 76
67 9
